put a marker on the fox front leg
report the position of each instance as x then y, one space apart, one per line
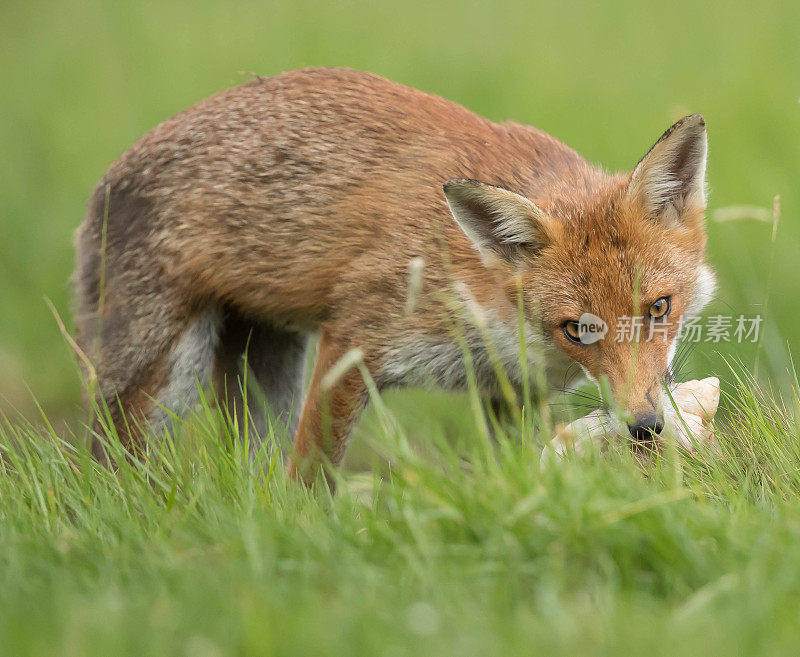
330 410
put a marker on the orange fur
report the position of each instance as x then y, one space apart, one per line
297 202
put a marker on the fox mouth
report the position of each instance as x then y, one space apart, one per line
644 428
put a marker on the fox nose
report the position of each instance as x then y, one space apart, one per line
646 427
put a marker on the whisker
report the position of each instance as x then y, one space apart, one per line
568 376
583 395
715 297
682 354
680 362
580 407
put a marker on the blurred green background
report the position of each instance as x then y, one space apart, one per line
81 80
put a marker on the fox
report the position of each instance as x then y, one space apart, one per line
296 205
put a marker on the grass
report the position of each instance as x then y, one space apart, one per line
437 542
471 548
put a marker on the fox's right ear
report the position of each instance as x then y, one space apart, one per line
500 223
669 181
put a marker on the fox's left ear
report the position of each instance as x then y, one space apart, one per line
669 182
501 224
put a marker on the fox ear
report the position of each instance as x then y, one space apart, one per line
500 223
670 180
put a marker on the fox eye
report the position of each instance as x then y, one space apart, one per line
660 309
573 332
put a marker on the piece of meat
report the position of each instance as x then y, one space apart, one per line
689 425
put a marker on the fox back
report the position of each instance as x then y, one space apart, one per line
297 204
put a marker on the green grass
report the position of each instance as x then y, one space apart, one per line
437 542
470 549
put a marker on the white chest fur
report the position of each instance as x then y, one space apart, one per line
443 360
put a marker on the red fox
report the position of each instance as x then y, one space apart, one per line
293 205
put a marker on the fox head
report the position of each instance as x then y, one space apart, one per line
624 255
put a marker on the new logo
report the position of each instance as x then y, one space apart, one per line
591 328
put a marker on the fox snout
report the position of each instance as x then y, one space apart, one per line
645 408
644 427
639 392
